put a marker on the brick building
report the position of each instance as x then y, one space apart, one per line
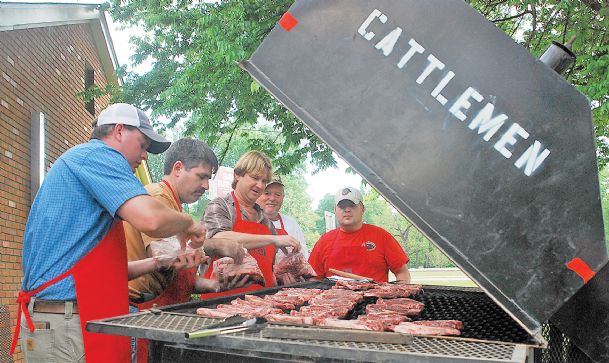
48 54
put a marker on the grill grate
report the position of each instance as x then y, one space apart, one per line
482 318
180 323
165 321
421 345
560 348
5 335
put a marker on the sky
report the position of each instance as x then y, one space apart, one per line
319 184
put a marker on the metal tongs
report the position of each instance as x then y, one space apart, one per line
233 324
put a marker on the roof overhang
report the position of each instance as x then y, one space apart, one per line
24 15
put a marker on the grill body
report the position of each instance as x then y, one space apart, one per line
490 335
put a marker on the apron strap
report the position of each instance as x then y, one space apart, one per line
23 300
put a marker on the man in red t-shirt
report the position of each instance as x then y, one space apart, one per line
358 248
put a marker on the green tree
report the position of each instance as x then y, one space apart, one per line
297 204
422 251
535 24
326 204
194 47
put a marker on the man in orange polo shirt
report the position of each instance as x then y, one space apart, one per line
188 166
356 247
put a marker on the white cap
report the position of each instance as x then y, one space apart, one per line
276 179
126 114
348 193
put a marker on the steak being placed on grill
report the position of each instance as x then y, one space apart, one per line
226 268
291 268
455 324
412 328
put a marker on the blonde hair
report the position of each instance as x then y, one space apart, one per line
255 163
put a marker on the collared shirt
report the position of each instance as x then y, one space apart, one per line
137 243
72 212
221 213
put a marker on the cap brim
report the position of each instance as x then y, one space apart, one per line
158 144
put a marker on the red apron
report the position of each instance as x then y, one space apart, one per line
264 256
281 231
179 291
98 297
348 257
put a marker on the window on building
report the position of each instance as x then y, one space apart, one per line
89 82
38 151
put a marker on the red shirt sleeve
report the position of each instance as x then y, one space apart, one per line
317 257
394 253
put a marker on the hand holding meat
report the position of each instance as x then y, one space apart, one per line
292 268
189 259
226 283
285 241
229 273
225 248
168 253
195 234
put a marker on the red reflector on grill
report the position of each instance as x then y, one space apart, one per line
287 21
581 268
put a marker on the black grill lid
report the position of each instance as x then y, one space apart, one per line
430 136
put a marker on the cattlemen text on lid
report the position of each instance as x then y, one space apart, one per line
486 122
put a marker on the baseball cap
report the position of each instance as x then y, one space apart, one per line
126 114
276 179
348 193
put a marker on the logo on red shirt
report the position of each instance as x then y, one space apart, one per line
370 246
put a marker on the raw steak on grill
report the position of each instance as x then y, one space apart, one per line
307 294
394 290
288 299
267 302
455 324
405 302
350 324
411 328
386 320
379 309
239 307
213 313
291 319
354 285
326 311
